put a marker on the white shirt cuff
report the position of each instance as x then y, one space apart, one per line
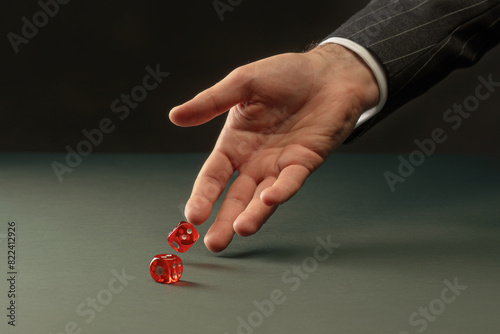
376 68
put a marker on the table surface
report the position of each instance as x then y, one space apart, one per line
424 258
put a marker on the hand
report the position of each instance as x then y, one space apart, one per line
287 113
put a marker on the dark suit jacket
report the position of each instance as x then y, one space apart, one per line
419 42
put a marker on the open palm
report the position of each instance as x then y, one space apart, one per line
287 113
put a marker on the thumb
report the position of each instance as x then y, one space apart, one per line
216 100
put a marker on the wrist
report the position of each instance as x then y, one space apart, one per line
343 66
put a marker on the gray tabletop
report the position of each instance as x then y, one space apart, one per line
346 255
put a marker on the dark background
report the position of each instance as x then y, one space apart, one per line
64 80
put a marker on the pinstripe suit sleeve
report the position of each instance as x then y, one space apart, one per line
419 42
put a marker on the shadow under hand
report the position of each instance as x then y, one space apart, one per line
272 253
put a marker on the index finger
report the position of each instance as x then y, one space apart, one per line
208 186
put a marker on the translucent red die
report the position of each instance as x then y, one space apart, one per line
183 236
166 268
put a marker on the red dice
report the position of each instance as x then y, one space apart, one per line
166 268
183 236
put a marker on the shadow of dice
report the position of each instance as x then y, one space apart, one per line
183 236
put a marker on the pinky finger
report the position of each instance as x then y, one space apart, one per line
286 185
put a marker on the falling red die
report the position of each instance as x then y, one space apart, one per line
183 236
166 268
